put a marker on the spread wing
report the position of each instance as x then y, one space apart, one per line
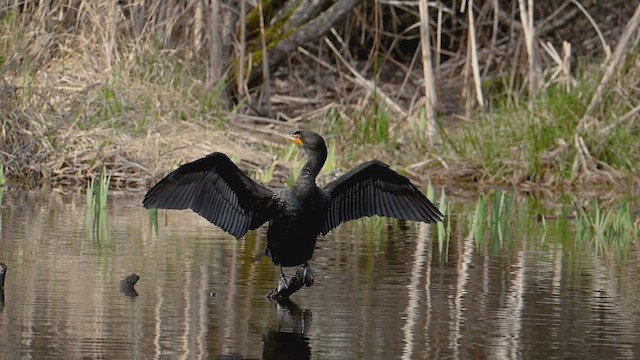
218 190
372 188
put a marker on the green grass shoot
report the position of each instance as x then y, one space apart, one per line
97 192
444 227
606 228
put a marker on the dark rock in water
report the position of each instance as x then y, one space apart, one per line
3 272
127 285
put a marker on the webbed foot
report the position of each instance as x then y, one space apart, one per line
305 275
286 287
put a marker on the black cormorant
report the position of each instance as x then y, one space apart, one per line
219 191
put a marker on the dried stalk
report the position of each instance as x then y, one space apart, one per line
605 46
619 55
605 131
240 81
215 61
198 26
474 55
367 84
439 41
494 37
266 88
427 68
526 18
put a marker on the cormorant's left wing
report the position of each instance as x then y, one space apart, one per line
218 190
372 188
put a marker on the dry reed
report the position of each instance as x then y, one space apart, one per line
110 83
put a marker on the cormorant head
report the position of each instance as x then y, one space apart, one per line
308 141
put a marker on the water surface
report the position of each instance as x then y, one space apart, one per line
383 290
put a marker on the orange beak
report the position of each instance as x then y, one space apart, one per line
296 139
291 137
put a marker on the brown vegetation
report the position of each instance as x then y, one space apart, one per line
142 86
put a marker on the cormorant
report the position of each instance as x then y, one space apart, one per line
216 189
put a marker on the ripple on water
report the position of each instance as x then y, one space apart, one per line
382 291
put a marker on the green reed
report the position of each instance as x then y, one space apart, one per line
493 212
153 219
606 227
97 192
444 227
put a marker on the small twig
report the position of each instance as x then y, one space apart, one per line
582 156
312 113
369 85
620 120
605 46
317 59
261 119
617 58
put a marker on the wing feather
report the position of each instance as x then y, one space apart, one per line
216 189
372 188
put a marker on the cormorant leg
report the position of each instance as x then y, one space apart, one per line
305 275
282 283
286 286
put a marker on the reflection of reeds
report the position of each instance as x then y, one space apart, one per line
153 219
496 217
444 227
606 227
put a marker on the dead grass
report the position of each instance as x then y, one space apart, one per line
94 88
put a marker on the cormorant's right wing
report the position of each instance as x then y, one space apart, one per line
218 190
372 188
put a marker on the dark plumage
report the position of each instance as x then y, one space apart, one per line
218 190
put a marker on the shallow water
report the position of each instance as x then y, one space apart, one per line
383 290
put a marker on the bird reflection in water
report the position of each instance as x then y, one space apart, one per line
288 340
